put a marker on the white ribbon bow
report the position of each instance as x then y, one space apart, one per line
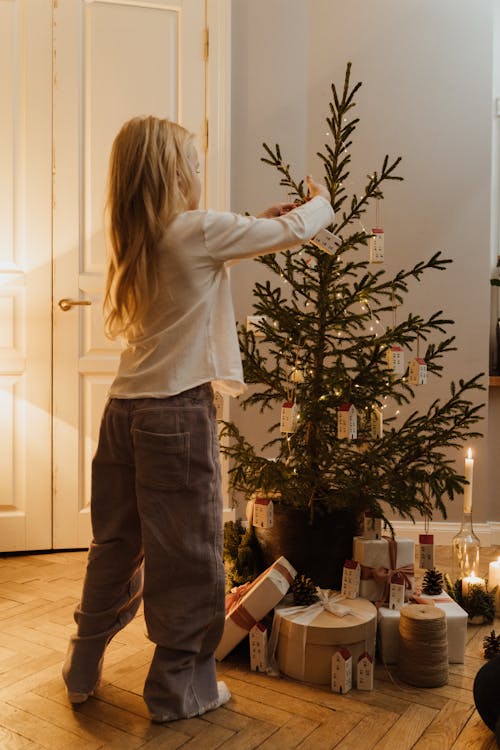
306 614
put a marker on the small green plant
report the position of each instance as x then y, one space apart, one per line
478 603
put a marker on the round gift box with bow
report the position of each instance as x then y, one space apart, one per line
309 636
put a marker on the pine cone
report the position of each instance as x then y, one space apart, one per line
303 590
491 645
433 582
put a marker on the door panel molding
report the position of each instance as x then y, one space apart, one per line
25 275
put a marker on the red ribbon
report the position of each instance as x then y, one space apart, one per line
236 611
424 600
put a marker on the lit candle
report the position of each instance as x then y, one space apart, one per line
472 580
494 580
469 468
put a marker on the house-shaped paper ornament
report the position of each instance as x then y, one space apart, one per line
397 591
377 245
263 512
426 551
372 526
289 417
396 359
417 374
347 422
259 661
376 423
364 676
342 671
351 577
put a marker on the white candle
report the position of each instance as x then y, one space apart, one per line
494 580
469 468
472 580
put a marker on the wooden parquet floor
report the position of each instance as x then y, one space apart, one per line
37 596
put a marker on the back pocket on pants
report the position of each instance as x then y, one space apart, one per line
162 461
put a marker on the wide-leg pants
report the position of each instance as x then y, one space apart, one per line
156 511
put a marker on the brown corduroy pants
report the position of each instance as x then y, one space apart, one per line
157 533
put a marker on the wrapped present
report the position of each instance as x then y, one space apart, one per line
456 624
308 637
380 559
251 602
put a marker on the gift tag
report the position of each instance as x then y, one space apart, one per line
417 374
289 417
263 512
347 422
259 661
327 241
397 591
342 671
426 551
396 360
377 245
364 675
351 577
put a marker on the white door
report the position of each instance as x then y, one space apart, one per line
113 59
25 274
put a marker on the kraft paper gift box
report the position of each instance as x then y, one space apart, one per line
304 650
379 559
255 601
456 626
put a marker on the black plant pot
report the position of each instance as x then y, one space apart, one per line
318 549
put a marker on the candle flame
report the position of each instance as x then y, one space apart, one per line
469 453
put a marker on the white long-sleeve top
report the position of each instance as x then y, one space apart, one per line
189 335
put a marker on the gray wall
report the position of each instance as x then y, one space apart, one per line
427 95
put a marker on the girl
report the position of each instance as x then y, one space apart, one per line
156 493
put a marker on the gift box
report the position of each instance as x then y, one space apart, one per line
380 559
456 625
310 636
251 602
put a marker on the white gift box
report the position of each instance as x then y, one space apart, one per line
377 566
257 600
456 624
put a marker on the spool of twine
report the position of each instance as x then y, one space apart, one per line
423 646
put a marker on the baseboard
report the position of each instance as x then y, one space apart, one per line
444 531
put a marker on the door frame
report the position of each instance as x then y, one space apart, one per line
218 104
216 111
218 156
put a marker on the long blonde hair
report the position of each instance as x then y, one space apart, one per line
150 182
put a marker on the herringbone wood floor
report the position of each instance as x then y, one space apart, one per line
37 596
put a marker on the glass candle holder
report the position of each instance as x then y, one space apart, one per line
465 550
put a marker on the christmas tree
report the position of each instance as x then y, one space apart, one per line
325 353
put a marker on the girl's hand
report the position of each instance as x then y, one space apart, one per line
278 209
317 188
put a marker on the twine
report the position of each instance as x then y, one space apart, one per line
423 646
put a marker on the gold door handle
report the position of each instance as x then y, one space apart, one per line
67 304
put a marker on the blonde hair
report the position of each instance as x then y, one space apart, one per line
150 182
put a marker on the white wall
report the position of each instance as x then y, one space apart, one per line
427 95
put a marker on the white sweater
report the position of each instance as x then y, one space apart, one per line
190 333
